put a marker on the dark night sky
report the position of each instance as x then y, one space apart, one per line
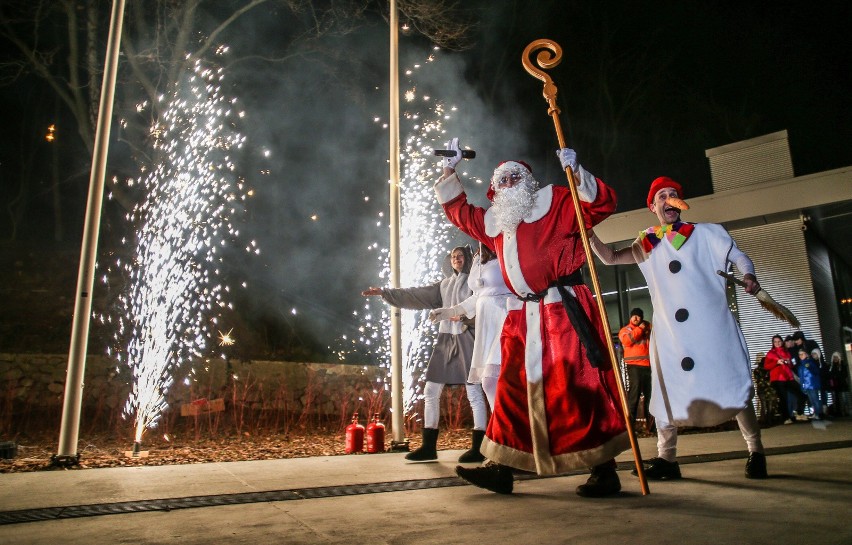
715 73
681 76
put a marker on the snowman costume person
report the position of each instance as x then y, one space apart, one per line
700 367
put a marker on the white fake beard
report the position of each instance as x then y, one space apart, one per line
513 204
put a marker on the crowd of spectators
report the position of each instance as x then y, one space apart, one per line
795 382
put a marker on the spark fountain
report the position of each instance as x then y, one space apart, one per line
425 235
192 200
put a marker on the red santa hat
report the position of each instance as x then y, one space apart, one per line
661 183
506 166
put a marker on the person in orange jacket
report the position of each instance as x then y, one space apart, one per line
634 339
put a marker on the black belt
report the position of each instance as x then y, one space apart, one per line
579 319
573 279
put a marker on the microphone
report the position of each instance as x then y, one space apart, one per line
466 153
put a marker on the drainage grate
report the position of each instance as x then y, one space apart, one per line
190 502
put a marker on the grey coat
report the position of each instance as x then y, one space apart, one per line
450 360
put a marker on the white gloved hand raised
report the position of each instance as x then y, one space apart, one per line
587 185
440 314
568 158
451 162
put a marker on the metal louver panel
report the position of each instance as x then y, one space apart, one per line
781 263
749 162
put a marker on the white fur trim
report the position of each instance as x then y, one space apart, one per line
544 198
448 188
533 349
513 265
587 185
509 166
491 224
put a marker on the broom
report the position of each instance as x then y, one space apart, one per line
766 301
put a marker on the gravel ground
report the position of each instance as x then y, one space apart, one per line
34 454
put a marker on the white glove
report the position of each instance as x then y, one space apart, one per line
568 158
587 185
451 162
440 314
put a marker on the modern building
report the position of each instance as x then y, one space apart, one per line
796 229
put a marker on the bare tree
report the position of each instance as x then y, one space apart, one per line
62 43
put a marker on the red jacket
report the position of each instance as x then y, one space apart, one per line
634 339
778 372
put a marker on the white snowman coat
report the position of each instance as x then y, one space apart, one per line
699 361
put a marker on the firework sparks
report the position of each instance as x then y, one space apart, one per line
425 238
225 339
186 218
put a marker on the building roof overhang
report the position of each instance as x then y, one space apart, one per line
757 204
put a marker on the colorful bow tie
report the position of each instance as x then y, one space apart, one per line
676 233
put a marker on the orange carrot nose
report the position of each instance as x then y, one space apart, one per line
677 203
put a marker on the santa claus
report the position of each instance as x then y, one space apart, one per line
557 405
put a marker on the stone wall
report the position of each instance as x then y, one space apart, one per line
257 394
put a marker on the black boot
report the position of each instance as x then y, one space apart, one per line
427 450
756 466
603 482
494 477
473 455
660 469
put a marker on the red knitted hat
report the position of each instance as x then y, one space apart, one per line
490 193
661 183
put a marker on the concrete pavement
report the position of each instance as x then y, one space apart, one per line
382 499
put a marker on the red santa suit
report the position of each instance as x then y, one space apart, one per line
555 410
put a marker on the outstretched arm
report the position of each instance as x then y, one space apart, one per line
609 256
468 218
454 314
412 298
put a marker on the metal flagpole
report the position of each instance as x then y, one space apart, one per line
549 56
398 441
70 427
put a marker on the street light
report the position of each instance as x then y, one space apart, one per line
72 402
398 441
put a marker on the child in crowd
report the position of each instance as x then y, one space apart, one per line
809 379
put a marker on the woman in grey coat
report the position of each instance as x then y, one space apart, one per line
450 360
